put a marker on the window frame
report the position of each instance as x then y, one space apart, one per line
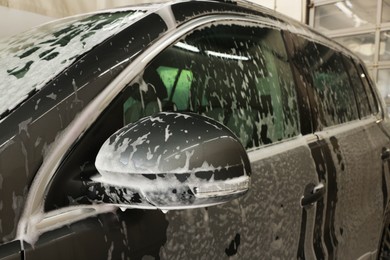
288 84
308 79
375 103
302 82
339 55
352 61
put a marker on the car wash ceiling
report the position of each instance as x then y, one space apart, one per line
356 11
61 8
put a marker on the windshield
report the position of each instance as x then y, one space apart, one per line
31 59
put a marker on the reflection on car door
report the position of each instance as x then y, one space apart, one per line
347 156
357 196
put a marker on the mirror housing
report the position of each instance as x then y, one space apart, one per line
171 161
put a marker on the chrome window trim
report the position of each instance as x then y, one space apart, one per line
266 151
347 126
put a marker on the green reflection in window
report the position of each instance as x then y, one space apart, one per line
178 84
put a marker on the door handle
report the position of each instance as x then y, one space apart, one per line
385 154
312 194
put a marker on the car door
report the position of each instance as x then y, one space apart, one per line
349 218
237 74
321 154
233 72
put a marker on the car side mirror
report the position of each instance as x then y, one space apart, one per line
171 161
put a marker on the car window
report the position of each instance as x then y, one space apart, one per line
238 75
356 82
331 86
368 87
329 89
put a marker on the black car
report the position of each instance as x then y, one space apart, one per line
189 130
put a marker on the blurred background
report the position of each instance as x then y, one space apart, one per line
22 14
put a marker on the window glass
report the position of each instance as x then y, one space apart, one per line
178 84
385 11
332 89
360 92
330 93
384 85
238 75
370 72
362 45
345 14
384 47
366 82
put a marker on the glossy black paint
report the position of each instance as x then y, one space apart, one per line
27 132
301 248
303 82
321 171
195 134
188 10
183 159
120 235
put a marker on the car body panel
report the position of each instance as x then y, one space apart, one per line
11 251
354 185
231 229
105 236
263 224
